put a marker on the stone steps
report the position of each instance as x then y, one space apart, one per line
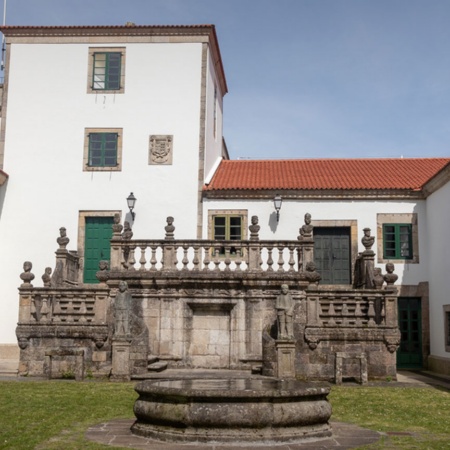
157 366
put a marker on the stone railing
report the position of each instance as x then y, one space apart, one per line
204 255
352 308
70 306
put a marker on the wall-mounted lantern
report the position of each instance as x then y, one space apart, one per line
131 201
277 201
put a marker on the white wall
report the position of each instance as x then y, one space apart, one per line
48 111
438 216
365 212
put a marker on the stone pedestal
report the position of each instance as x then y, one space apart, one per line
120 360
362 361
285 358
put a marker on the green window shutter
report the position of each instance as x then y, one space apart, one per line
103 149
107 69
397 241
227 228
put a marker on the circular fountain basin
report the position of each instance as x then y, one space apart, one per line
232 410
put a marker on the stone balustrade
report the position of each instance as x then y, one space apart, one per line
64 306
205 255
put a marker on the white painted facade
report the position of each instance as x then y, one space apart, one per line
49 109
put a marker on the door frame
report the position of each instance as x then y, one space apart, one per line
82 233
353 225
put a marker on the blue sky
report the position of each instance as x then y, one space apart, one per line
307 78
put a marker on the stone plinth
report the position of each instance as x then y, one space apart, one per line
361 359
120 359
285 358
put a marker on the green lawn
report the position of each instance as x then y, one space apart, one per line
56 414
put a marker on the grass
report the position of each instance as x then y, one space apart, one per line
55 414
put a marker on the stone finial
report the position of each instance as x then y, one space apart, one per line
311 273
103 275
46 278
306 231
170 228
117 226
26 276
254 229
127 232
390 277
63 240
367 240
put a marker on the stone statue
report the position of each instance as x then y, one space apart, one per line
170 228
46 278
390 277
285 312
63 240
127 232
307 229
103 275
26 276
117 226
254 229
378 278
367 240
122 306
311 274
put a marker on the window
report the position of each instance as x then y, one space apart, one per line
228 226
397 239
102 149
106 70
447 327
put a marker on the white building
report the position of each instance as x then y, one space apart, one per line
106 111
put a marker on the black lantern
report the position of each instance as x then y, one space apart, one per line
277 201
131 201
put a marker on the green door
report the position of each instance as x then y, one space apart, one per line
332 254
409 354
98 233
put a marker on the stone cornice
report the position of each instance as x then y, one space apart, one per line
388 194
120 34
439 180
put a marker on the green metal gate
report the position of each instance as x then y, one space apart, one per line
332 254
98 233
409 354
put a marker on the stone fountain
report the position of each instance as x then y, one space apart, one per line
264 411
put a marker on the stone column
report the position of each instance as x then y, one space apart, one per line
120 360
285 358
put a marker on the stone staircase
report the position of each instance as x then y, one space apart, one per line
155 365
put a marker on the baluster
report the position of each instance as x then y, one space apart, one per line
132 260
123 257
269 260
216 258
196 260
371 313
153 258
227 259
185 260
344 313
331 313
280 259
238 264
291 258
142 260
44 310
358 314
206 260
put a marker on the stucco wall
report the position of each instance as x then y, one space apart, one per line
47 113
438 217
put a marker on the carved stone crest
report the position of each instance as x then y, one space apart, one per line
161 149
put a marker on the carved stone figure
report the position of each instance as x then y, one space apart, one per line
127 232
46 278
367 240
170 228
254 229
63 240
26 276
307 229
390 277
117 226
378 278
102 275
122 306
311 274
285 312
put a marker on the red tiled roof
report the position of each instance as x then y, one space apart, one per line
326 174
